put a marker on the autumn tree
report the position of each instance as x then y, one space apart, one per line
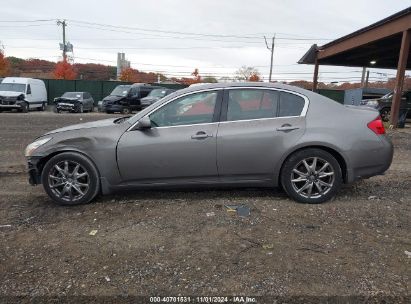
254 77
64 70
129 75
246 73
4 65
93 71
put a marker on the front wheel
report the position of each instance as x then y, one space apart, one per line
70 179
311 176
80 108
24 107
125 110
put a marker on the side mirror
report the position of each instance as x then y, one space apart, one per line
144 123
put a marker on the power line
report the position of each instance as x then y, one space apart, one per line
26 21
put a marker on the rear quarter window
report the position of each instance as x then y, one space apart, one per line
290 105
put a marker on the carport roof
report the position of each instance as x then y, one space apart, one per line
379 42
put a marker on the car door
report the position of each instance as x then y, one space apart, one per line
180 147
257 126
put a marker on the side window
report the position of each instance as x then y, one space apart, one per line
28 91
134 91
188 110
246 104
290 105
144 92
86 95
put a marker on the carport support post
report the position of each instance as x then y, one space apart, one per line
315 77
399 80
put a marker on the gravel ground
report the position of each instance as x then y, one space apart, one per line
186 243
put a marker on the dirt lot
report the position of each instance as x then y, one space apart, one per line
186 243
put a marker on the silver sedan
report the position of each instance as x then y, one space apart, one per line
239 134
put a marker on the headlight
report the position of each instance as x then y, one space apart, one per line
372 103
34 145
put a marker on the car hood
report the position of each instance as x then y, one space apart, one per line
113 98
87 125
10 93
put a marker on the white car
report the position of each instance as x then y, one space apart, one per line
22 94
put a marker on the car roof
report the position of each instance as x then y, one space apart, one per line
275 85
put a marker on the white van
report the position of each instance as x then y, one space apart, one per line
22 94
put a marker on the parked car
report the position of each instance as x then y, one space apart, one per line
154 96
383 104
126 98
239 134
22 94
77 102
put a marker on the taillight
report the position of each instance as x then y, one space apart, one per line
377 126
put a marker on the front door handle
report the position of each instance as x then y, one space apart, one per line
286 128
201 135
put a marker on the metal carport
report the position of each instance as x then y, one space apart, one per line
385 43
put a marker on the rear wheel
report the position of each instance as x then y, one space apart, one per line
311 176
42 108
70 179
385 114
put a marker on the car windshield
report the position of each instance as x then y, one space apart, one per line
158 93
72 95
389 95
13 87
121 90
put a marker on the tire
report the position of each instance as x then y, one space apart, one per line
80 109
385 114
324 181
125 110
24 107
42 108
62 185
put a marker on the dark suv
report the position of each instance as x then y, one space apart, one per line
383 104
126 98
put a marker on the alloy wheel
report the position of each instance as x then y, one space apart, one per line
69 180
312 177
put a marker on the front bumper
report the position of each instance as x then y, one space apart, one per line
10 107
113 108
67 107
33 170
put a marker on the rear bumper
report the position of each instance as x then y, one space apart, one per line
372 164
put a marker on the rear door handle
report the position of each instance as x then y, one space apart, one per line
201 135
287 128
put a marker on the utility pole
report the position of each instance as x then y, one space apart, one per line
363 76
63 24
366 79
272 54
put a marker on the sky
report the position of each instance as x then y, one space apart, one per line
176 36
